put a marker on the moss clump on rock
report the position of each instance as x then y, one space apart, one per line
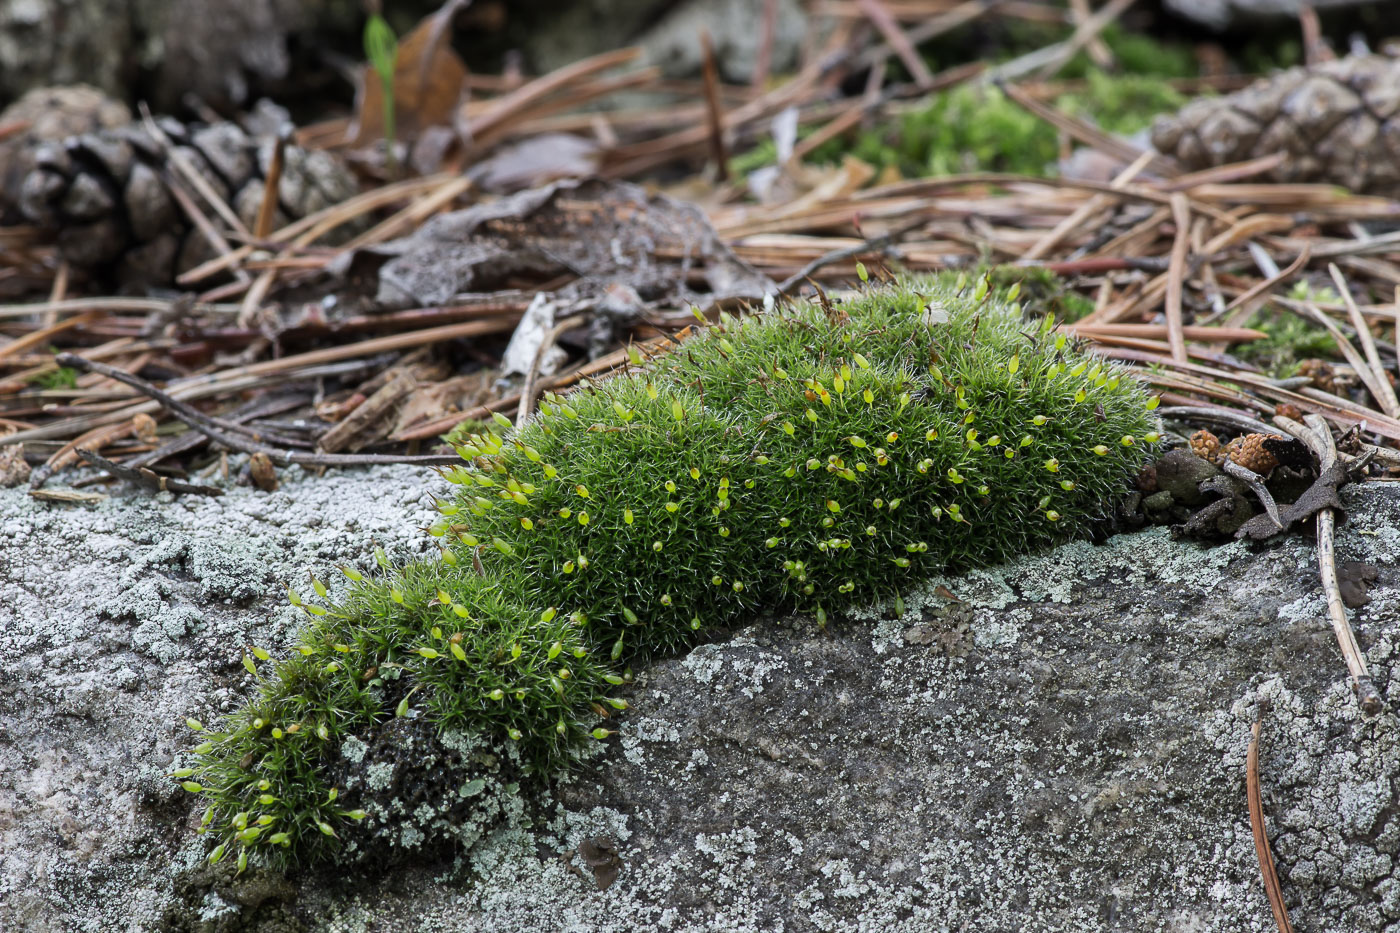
802 460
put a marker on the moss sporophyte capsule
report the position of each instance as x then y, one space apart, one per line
769 468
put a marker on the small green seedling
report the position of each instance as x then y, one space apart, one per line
809 459
382 52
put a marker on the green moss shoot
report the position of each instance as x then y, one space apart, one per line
808 459
976 128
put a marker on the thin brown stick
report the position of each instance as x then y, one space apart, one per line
45 333
1086 210
1189 332
931 28
1272 282
1176 275
1052 57
186 413
206 228
413 214
1096 48
267 209
714 108
1272 889
96 438
873 245
57 293
1087 133
117 305
253 374
322 221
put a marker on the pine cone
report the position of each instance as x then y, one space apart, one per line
105 196
1339 122
1206 446
1249 452
1321 373
49 115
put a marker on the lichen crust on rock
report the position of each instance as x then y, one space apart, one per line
813 459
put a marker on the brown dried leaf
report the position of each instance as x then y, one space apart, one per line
429 402
429 81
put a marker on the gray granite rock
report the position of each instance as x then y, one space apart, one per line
1062 749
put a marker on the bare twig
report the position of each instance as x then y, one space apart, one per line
186 413
1256 483
1318 437
144 477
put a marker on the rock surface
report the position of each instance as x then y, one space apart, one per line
1061 750
1218 14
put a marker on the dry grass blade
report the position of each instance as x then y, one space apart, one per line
45 333
1272 889
1089 208
527 391
1176 275
1385 393
518 102
215 431
880 17
1269 284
